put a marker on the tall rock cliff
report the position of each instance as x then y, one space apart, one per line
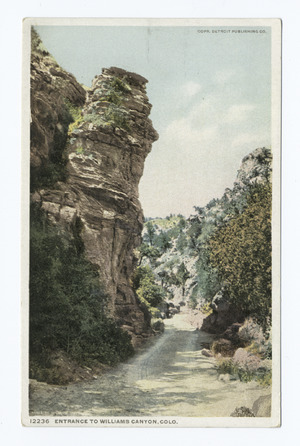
88 148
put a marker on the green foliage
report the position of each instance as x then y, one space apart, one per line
96 119
47 175
67 302
114 116
115 91
182 242
163 241
193 233
241 252
74 110
150 233
80 150
265 379
207 279
117 117
75 124
120 85
76 115
148 251
227 366
182 276
193 301
147 290
206 308
53 168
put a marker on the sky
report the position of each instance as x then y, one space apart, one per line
211 97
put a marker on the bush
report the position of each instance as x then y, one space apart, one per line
146 288
241 253
206 309
228 366
117 117
67 301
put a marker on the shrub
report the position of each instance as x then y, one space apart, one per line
246 370
228 366
67 301
80 150
117 117
206 309
241 253
146 288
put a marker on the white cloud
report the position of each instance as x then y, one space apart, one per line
239 112
190 89
200 152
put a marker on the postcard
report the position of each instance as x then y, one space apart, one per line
151 222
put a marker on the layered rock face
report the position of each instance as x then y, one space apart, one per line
104 159
51 87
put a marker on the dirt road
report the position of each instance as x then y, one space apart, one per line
170 378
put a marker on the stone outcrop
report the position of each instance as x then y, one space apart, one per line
51 87
256 167
223 315
262 407
103 155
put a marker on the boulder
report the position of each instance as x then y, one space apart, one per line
158 326
220 302
222 316
245 360
250 331
224 347
262 406
206 352
174 311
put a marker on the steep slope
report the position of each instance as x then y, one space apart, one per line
85 175
179 250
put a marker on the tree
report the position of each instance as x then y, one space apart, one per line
150 252
193 233
146 288
181 243
163 241
150 234
241 252
182 276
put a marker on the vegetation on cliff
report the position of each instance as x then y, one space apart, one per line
52 112
241 252
149 292
83 197
224 245
67 303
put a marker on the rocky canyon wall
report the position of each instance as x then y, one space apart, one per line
85 174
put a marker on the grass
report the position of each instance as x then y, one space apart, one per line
166 223
227 366
206 309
